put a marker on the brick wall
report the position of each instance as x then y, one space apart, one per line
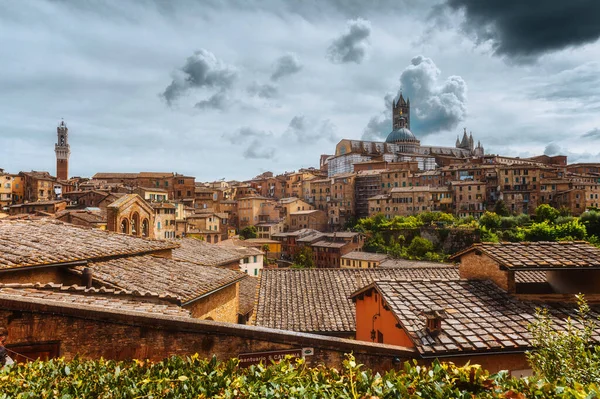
126 335
223 305
41 275
482 267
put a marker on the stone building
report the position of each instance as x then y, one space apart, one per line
400 145
164 220
312 219
131 215
63 151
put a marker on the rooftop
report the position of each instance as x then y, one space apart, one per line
317 300
478 316
162 276
133 301
368 256
43 242
202 253
539 255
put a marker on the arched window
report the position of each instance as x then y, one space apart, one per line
135 224
125 226
208 238
145 225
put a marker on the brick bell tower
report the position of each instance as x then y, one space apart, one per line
63 151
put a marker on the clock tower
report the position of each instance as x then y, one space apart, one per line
63 151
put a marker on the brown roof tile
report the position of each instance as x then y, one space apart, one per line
478 316
184 280
317 300
96 298
27 243
202 253
248 294
540 255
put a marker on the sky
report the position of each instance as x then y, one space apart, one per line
230 89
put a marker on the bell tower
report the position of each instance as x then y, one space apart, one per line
401 111
63 151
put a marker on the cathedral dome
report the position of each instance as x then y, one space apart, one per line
401 135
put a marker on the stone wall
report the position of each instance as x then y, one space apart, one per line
116 334
222 305
475 266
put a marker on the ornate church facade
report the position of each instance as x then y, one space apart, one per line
400 145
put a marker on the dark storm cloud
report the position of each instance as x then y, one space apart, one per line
263 90
524 29
592 134
201 70
258 149
352 45
435 106
305 130
286 65
553 149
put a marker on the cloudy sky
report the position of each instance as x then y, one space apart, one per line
229 89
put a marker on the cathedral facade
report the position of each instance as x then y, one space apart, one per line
400 145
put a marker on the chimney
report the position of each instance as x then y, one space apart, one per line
433 320
86 277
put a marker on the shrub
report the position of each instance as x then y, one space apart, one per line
565 354
591 221
545 212
501 209
248 232
490 220
419 247
303 259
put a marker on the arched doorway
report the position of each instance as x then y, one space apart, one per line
125 226
145 226
135 224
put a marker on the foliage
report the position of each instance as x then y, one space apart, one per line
192 377
546 213
545 231
501 209
487 235
591 221
248 232
429 218
419 247
490 220
568 354
375 243
304 258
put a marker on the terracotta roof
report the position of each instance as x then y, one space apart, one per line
539 255
162 276
477 315
412 263
101 176
202 253
317 300
310 211
46 241
39 203
368 256
93 297
247 294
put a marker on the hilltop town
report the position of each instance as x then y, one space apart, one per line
382 250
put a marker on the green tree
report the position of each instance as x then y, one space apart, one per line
375 243
501 209
419 247
248 232
490 220
565 353
304 258
591 221
545 212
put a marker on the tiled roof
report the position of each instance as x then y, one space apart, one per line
162 276
248 294
478 316
311 211
93 297
101 176
317 300
540 255
202 253
368 256
46 241
412 263
39 203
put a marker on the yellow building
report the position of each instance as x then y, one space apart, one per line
290 205
255 210
362 260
